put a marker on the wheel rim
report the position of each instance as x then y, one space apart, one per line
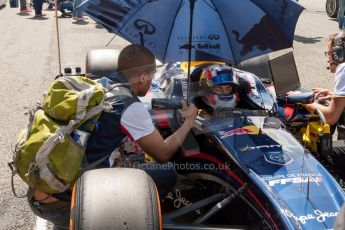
331 6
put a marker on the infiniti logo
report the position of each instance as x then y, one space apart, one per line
144 26
213 36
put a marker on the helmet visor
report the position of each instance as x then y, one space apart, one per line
223 78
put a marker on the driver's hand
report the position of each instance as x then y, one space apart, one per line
189 113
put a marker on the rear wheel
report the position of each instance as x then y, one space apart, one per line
115 198
332 7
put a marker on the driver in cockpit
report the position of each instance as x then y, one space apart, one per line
219 88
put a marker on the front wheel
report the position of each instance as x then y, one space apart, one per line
332 7
115 198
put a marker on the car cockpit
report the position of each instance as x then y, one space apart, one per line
253 94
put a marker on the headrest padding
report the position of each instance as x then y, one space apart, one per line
101 63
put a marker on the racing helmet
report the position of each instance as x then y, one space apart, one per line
219 74
221 86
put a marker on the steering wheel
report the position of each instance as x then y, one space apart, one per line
304 98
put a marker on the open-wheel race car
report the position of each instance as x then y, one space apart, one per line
250 167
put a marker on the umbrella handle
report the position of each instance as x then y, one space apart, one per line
141 38
191 13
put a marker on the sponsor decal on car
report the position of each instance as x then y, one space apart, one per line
317 215
295 180
179 200
277 157
252 83
263 147
240 131
272 154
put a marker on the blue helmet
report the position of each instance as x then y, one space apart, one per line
218 74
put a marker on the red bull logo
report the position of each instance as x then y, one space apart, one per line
240 131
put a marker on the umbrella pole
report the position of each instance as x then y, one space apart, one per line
192 3
58 37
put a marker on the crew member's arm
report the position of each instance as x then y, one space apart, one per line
332 112
162 150
137 123
336 105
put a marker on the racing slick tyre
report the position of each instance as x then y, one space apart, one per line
115 198
332 7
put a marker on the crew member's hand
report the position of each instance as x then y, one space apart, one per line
322 94
324 99
317 90
189 113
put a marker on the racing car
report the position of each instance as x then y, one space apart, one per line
243 168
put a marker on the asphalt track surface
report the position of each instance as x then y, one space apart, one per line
29 62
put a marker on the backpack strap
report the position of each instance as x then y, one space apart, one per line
31 112
113 86
93 165
42 159
124 94
71 82
29 193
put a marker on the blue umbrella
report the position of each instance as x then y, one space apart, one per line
205 30
222 30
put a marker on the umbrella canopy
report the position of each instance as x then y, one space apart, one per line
223 30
